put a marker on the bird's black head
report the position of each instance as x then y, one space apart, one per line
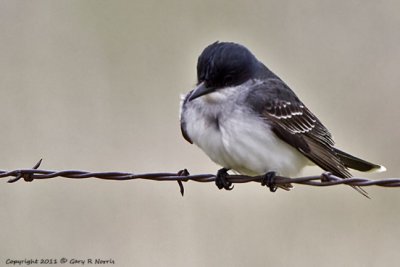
221 65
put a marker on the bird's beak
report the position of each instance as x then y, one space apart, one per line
200 90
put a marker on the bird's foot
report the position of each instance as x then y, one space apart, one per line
221 181
269 181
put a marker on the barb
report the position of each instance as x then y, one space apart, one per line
325 179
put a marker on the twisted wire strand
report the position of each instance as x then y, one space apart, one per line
325 179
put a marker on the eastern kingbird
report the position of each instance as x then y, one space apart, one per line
245 118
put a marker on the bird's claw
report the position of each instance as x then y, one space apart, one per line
269 181
221 181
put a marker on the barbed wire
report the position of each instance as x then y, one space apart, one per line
325 179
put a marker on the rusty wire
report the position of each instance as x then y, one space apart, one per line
325 179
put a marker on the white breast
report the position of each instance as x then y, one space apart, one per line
236 138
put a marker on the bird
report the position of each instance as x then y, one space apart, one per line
247 119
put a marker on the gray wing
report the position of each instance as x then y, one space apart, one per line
294 123
182 120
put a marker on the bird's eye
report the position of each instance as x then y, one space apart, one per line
228 79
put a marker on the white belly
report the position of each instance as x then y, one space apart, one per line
240 140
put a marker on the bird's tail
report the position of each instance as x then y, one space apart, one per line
358 164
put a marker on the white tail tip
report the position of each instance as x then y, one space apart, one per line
379 169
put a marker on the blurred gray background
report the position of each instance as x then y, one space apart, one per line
95 85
